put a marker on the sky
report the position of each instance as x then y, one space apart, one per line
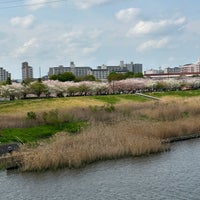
49 33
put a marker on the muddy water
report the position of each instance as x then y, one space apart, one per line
170 175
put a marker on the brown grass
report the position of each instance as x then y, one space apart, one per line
168 109
97 143
132 129
103 141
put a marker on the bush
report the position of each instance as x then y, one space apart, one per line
109 108
51 117
31 115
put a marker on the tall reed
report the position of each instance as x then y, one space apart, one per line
97 143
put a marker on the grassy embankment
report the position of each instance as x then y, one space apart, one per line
108 127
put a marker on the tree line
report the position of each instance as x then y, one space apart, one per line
115 85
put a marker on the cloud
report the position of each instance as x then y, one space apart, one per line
171 59
148 27
35 4
32 43
153 44
193 27
92 49
80 42
38 4
96 33
23 22
70 36
127 15
85 4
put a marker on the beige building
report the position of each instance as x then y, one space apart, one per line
191 68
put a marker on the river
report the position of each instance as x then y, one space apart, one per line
170 175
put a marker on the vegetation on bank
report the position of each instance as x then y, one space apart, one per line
186 93
36 133
99 142
108 127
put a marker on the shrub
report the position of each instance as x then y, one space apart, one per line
109 108
51 117
31 115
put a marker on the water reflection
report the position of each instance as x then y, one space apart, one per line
169 175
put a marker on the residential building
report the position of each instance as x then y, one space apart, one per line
190 68
77 71
82 71
27 71
100 73
123 67
116 68
4 75
154 71
135 68
187 68
58 70
170 70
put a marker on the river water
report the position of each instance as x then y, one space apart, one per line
170 175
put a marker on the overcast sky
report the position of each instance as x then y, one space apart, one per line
48 33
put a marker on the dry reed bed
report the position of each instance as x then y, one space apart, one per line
100 142
168 109
132 129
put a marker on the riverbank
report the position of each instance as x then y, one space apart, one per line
124 129
175 173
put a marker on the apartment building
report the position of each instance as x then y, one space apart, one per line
77 71
190 68
100 73
187 69
134 67
4 75
27 71
172 70
58 70
123 67
154 71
